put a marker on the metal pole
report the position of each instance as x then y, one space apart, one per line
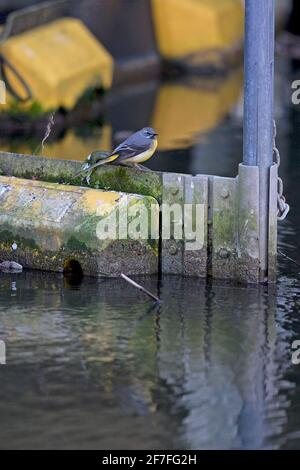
258 105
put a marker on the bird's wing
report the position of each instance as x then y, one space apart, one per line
134 145
128 151
131 140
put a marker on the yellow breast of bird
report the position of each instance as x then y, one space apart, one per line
144 156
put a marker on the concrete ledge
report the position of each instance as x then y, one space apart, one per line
229 224
108 177
47 226
225 244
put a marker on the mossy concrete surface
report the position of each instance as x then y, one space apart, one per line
186 256
108 177
230 225
230 248
47 225
223 232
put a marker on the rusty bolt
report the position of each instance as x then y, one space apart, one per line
225 193
224 253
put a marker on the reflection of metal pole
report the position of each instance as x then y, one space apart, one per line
258 109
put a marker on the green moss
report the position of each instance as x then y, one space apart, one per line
149 242
114 178
224 228
33 111
154 245
248 221
73 244
84 234
128 180
91 95
7 238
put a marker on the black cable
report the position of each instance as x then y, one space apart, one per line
4 63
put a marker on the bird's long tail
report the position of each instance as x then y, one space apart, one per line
92 167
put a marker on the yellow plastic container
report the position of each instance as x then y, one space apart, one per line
184 110
59 61
193 26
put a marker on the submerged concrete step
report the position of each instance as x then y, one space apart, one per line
54 227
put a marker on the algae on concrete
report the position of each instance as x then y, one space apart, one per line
46 225
108 177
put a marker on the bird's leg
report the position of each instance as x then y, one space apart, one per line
127 165
135 165
88 177
141 167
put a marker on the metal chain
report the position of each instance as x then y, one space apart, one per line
283 207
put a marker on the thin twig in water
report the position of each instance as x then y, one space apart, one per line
133 283
138 286
47 133
288 258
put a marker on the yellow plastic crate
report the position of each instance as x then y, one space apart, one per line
192 26
59 62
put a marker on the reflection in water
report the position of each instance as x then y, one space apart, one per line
77 146
97 366
188 108
180 111
73 145
92 364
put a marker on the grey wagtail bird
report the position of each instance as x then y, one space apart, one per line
136 149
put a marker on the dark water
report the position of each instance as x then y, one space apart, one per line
191 116
94 366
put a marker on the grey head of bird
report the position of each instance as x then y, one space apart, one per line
149 133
